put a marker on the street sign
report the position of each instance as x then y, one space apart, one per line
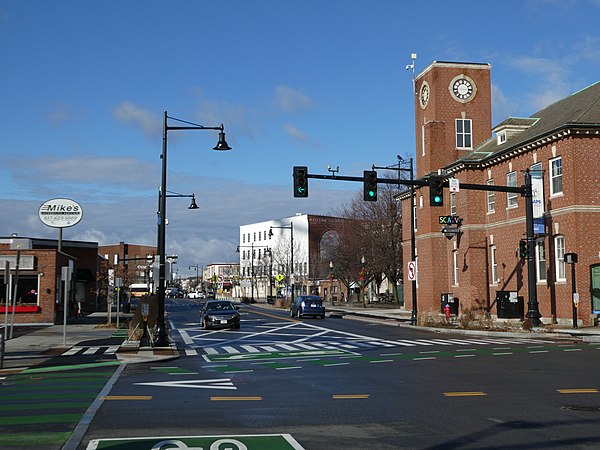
412 270
279 277
453 184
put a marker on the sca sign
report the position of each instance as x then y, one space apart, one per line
60 213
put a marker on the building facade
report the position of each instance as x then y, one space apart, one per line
131 262
280 253
42 280
480 266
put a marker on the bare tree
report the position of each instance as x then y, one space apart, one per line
375 233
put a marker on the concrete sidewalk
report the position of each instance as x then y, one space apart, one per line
31 346
402 317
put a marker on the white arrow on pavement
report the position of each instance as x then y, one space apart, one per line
217 383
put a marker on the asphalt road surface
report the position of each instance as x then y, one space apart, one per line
348 384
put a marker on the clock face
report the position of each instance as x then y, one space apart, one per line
424 95
462 89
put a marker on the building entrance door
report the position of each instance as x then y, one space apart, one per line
595 287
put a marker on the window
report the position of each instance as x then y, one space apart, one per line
243 238
455 262
511 197
540 260
491 198
453 203
494 264
415 216
559 258
556 176
423 140
464 134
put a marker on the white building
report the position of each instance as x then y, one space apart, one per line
268 248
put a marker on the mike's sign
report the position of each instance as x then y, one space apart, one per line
60 213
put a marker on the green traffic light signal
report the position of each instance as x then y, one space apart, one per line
436 190
370 186
300 181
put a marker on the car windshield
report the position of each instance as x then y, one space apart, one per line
219 306
312 299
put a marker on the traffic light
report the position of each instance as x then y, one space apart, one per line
300 181
523 248
436 191
370 186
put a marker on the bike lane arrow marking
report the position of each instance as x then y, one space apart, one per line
217 383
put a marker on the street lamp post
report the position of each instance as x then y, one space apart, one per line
252 247
362 280
197 267
161 331
291 228
331 280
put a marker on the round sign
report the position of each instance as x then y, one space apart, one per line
60 213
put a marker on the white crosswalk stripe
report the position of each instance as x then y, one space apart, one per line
354 345
91 350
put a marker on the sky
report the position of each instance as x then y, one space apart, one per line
84 86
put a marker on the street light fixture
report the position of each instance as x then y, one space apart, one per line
161 331
291 228
252 246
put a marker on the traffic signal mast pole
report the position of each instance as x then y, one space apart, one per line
526 191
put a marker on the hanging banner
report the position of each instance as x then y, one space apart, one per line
537 186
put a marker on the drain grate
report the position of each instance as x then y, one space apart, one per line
581 408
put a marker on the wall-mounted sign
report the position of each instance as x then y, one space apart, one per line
60 213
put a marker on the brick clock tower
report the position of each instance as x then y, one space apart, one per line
453 115
453 112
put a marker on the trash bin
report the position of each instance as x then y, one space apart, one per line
509 305
448 298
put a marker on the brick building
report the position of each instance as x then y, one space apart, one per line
40 296
131 262
480 266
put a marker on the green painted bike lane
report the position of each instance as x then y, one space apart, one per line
40 407
241 442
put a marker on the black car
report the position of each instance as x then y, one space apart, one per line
307 305
219 314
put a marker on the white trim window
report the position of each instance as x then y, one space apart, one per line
415 216
464 133
556 176
453 203
511 197
559 258
491 198
494 264
540 260
455 263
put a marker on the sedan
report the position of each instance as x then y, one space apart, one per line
196 294
219 314
307 305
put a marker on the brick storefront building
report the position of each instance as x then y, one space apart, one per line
560 145
40 291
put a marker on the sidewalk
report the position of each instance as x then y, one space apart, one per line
31 346
401 317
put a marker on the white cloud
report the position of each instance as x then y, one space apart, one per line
127 112
291 100
298 135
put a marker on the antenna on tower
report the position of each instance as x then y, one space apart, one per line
411 66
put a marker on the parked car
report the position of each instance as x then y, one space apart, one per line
219 314
307 305
197 294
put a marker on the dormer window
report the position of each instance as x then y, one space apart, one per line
501 138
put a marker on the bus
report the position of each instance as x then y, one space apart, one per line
139 289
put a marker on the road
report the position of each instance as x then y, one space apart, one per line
347 384
281 383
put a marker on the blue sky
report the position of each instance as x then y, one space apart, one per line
316 83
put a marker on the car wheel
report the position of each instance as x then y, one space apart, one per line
298 315
323 316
